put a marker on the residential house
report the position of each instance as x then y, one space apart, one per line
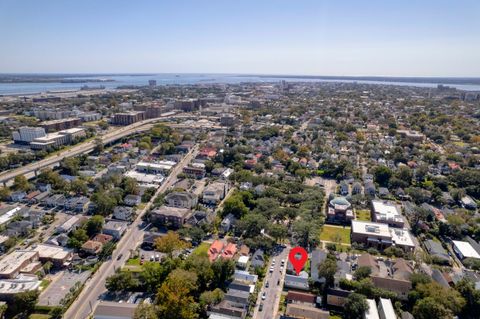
214 192
55 200
229 251
337 297
370 189
17 196
102 238
19 228
299 282
258 260
132 200
200 217
115 229
170 216
195 170
30 197
437 252
227 223
92 247
317 258
123 213
244 276
343 188
237 298
356 188
44 187
181 200
389 275
215 250
70 224
242 262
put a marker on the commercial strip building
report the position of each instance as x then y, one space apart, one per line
161 167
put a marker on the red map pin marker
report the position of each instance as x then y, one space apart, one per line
298 263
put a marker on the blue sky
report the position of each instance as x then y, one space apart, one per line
336 37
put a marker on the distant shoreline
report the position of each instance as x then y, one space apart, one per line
94 77
439 80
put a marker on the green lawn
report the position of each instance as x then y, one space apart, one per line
38 316
335 234
133 262
363 215
44 284
202 249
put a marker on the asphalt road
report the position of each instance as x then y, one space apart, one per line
95 286
274 290
77 149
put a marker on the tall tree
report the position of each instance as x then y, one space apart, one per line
94 225
145 311
175 299
121 281
20 183
169 243
355 306
327 270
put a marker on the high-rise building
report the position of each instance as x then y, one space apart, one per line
27 134
128 117
63 124
152 83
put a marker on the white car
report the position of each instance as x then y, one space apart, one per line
271 269
264 296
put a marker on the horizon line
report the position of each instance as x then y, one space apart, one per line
244 74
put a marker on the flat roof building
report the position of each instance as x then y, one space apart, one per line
380 235
59 256
385 309
372 311
114 310
464 249
11 287
387 213
13 263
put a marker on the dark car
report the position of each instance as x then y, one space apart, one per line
119 256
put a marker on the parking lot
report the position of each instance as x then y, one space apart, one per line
61 285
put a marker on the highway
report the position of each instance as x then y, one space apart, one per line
86 147
77 149
86 302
